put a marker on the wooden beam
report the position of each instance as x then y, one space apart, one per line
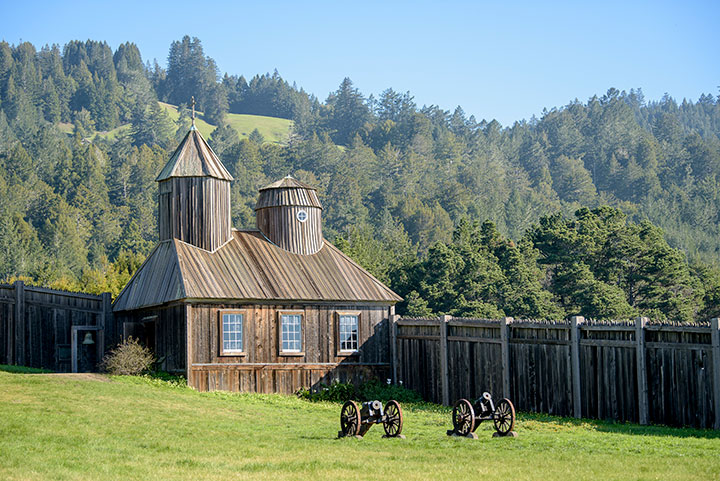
393 343
20 323
575 323
505 353
643 401
715 333
424 337
106 321
444 373
482 340
73 350
189 339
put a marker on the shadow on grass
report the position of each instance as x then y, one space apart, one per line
23 370
622 427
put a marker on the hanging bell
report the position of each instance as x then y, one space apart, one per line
88 339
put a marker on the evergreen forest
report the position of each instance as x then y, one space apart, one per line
607 207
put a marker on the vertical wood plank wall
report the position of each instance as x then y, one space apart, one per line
168 323
264 369
281 226
607 381
195 210
36 324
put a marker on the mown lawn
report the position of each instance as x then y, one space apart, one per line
62 428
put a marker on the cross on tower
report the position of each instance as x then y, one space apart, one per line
192 102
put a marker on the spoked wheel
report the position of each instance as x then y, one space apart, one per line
504 417
350 419
463 417
393 421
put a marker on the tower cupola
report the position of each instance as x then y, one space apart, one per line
288 215
194 195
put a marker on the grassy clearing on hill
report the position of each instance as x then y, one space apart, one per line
62 428
275 130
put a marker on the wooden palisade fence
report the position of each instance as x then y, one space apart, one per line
634 371
45 328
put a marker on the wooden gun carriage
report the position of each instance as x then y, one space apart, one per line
355 421
467 416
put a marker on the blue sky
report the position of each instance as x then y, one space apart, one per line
502 60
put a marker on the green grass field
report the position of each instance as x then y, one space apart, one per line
275 130
59 427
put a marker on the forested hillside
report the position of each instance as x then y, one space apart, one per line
612 204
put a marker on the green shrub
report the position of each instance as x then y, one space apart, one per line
375 389
128 358
367 391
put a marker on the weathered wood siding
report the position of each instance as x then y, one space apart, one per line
195 210
467 374
609 383
281 226
540 377
169 329
680 368
264 369
36 324
625 371
418 350
276 217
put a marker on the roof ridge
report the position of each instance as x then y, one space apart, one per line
181 278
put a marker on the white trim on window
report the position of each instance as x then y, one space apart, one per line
291 336
347 333
232 332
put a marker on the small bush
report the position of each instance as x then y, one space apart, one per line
129 358
368 391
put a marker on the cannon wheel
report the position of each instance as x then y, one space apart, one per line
350 419
504 417
393 421
463 417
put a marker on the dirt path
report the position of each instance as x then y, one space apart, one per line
80 376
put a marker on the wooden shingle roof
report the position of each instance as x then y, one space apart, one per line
286 197
249 268
288 182
194 158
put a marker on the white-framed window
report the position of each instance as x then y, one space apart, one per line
232 329
291 335
348 332
302 215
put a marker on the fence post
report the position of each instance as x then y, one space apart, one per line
444 373
505 353
20 323
393 344
575 322
715 337
643 402
107 331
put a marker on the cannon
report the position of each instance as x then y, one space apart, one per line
355 421
467 416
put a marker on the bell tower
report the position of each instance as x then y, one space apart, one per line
194 194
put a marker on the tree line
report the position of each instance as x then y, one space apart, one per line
612 204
